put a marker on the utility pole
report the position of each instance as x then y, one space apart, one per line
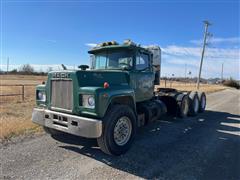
222 73
203 50
185 73
7 64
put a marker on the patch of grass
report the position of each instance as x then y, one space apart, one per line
16 120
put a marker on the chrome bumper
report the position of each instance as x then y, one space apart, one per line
80 126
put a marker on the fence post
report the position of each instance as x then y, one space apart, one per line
22 92
165 83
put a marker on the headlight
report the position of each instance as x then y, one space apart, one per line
88 101
41 96
91 101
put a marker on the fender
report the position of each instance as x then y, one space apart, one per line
115 95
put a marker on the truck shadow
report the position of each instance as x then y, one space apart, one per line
206 146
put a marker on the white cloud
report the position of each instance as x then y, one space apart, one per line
219 40
174 59
91 45
196 52
181 50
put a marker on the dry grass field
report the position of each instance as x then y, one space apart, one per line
181 86
16 115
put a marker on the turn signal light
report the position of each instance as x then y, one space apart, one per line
106 85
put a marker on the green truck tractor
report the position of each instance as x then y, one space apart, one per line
112 98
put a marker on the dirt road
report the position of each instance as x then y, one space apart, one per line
203 147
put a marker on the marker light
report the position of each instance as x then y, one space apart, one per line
106 85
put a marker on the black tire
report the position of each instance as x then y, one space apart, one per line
143 108
193 103
51 131
183 107
202 101
107 142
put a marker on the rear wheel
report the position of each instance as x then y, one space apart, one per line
119 129
183 107
203 101
194 103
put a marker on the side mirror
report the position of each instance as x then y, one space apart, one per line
83 67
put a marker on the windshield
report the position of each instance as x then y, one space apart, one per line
113 60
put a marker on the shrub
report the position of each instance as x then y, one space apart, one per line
14 71
232 83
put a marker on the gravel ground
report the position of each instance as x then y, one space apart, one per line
202 147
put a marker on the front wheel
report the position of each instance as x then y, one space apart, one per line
119 129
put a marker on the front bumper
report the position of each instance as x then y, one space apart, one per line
72 124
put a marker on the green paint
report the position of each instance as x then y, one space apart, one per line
127 82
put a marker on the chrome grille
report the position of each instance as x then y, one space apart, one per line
62 94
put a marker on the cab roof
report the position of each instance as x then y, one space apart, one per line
114 45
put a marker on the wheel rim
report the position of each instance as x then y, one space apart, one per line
196 104
203 102
185 106
122 131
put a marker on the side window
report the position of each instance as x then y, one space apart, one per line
142 62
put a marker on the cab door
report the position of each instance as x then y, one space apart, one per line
142 77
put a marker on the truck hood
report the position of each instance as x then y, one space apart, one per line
97 78
94 78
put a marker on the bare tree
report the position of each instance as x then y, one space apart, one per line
26 69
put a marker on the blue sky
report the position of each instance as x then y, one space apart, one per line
48 33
